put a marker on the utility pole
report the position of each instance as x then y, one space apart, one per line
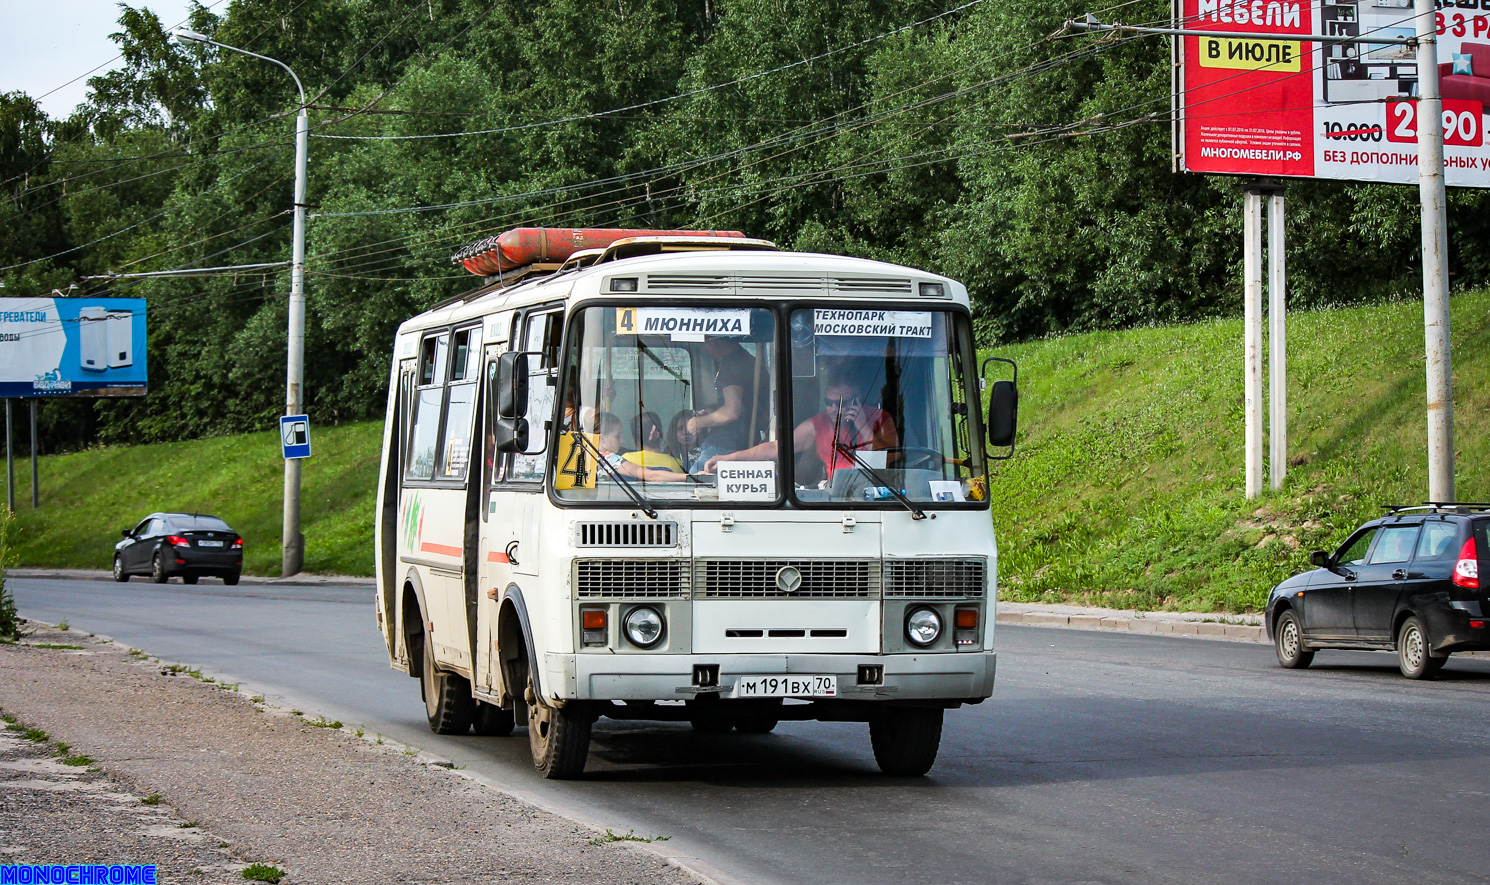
292 549
1435 260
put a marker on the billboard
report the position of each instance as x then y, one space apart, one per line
1296 108
72 347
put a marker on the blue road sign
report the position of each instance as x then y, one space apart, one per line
294 433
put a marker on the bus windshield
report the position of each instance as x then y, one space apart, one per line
880 406
652 394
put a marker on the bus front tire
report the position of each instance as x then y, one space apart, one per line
905 739
447 696
558 736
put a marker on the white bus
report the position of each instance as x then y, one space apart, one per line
686 476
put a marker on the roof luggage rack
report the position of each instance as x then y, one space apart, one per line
524 247
1437 506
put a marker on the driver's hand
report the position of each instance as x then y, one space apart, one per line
692 425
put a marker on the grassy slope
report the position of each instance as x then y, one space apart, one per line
87 497
1126 488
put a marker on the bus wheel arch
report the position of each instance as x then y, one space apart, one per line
515 649
412 623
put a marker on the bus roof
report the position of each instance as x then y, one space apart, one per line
767 275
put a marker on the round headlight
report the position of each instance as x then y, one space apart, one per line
643 627
923 627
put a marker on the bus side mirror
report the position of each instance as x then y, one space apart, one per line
1003 413
511 385
510 435
1003 407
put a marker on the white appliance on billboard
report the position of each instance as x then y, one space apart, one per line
120 338
93 338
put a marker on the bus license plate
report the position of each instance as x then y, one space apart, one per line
803 686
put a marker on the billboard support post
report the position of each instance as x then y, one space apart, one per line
1435 260
1277 343
1252 336
35 487
10 461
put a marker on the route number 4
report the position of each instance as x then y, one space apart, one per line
1463 123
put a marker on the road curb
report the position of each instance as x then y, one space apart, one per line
1118 623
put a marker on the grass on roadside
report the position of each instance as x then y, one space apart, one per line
1127 486
237 478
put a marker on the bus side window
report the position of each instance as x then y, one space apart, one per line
541 333
455 453
424 424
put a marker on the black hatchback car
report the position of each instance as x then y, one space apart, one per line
187 544
1408 582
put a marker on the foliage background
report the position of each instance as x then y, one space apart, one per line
1035 169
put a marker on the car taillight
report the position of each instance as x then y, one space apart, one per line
177 541
238 544
1467 569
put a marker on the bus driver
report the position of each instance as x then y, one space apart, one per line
859 427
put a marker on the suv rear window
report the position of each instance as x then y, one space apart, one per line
1437 540
199 524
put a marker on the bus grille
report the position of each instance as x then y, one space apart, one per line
756 578
630 578
627 534
935 578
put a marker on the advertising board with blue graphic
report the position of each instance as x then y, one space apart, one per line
72 347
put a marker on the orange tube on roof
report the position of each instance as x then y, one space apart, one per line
534 245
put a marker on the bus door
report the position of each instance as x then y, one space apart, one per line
493 564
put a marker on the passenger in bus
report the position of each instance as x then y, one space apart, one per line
650 445
681 444
608 439
741 387
859 426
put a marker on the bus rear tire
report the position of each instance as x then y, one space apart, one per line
493 721
558 736
905 739
447 696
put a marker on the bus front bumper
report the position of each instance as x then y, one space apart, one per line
959 676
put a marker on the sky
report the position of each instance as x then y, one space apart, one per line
46 43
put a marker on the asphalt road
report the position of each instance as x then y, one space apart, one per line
1100 758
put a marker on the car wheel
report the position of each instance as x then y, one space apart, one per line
158 570
230 580
1413 656
447 696
558 736
120 574
188 579
493 721
905 740
1288 642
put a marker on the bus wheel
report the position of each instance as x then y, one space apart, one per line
759 718
558 736
906 739
493 721
447 696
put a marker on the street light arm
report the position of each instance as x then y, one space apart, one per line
194 37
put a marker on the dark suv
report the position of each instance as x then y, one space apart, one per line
187 544
1408 582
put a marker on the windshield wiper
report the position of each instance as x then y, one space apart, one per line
641 500
916 512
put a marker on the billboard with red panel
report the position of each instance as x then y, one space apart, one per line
1296 108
